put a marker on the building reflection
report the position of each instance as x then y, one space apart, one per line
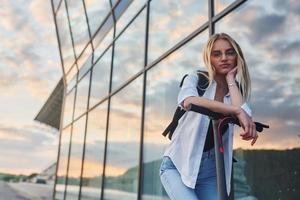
123 61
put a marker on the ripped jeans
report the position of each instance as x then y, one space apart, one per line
206 185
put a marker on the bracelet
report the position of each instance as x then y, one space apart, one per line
230 84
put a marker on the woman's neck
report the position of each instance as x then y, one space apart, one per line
221 83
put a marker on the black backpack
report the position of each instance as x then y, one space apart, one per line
201 87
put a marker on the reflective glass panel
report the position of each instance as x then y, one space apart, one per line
220 5
75 159
68 108
96 10
71 78
121 170
161 101
129 52
65 37
62 163
101 34
94 153
107 40
78 25
56 4
132 8
84 63
82 95
171 21
100 78
267 31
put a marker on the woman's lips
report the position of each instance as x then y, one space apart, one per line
224 65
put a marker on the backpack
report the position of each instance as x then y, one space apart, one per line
201 87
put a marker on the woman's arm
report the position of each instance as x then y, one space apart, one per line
237 100
235 94
215 106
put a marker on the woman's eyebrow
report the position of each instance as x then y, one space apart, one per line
217 50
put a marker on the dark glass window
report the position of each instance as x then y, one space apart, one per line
96 10
74 171
171 21
121 170
129 52
161 101
260 29
100 78
78 25
68 108
94 153
82 95
62 164
65 37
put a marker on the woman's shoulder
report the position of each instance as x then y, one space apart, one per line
197 71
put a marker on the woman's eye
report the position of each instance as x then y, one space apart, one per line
216 54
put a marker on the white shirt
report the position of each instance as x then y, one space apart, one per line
186 147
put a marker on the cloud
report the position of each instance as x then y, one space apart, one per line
291 6
28 47
266 26
27 149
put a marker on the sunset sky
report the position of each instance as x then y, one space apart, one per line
29 71
30 68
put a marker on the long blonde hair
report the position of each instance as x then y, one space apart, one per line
242 77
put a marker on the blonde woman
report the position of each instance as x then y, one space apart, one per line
188 169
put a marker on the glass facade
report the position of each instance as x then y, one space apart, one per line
123 61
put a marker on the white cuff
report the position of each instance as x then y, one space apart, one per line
247 109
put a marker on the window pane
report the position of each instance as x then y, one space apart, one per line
68 108
100 78
220 5
71 78
75 159
84 63
269 171
101 34
161 101
107 40
56 4
78 25
94 153
65 37
62 164
121 173
129 52
82 95
96 10
171 21
131 11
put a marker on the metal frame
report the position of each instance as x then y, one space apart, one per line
210 25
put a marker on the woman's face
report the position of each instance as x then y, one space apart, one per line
223 56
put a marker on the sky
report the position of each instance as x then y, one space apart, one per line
29 70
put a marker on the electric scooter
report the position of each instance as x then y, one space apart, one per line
219 149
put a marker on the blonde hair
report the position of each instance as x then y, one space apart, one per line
242 77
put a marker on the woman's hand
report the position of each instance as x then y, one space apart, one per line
248 127
230 76
187 103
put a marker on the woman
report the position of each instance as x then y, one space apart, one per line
188 170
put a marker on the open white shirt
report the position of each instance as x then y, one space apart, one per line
186 147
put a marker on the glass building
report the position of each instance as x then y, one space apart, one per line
122 63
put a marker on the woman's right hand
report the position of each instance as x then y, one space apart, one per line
187 103
248 126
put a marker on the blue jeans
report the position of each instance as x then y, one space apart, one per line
206 185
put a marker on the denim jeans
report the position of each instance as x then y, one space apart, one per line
206 185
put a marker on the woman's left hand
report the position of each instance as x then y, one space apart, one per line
230 76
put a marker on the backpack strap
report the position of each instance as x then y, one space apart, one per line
202 82
201 87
